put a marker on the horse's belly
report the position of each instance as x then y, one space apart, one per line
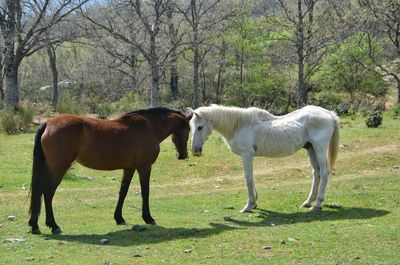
102 163
274 151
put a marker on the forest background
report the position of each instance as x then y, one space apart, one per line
107 57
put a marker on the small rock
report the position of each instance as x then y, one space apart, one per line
208 257
137 256
396 167
15 240
272 224
12 218
291 239
136 193
29 259
228 218
357 258
1 225
87 178
209 194
266 247
104 241
139 228
218 186
189 250
206 211
23 187
113 178
283 242
219 180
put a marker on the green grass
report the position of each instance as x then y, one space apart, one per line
189 200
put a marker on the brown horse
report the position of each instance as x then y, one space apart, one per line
131 142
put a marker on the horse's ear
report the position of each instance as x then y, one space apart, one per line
190 112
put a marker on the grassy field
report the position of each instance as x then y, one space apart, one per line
196 204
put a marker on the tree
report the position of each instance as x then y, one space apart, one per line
150 14
24 26
201 18
385 26
311 39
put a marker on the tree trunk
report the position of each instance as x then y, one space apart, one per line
398 91
11 62
221 70
196 66
51 52
133 65
155 72
303 90
11 93
174 57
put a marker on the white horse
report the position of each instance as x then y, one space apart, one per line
255 132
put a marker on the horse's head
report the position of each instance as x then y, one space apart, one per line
201 130
180 136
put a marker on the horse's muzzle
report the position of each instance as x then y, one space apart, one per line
197 151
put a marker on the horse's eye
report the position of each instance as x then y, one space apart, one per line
199 128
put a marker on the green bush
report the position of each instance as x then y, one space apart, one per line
130 101
14 122
374 119
67 104
396 111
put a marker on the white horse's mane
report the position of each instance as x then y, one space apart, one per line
227 119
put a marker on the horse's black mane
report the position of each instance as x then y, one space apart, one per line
158 110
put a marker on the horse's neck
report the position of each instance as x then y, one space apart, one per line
223 124
226 121
162 127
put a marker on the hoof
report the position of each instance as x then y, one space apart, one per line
246 210
35 231
316 209
305 205
56 231
151 222
121 222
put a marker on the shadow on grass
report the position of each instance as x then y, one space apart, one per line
155 234
271 218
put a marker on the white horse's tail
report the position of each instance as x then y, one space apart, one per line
334 144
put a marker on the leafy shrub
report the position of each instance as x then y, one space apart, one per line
130 101
374 119
68 105
396 111
9 122
13 122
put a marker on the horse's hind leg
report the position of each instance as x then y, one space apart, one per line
321 153
316 179
55 177
48 200
251 190
126 181
144 176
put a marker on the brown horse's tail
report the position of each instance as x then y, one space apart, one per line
334 144
39 171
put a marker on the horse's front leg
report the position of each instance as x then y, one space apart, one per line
125 183
251 189
144 174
